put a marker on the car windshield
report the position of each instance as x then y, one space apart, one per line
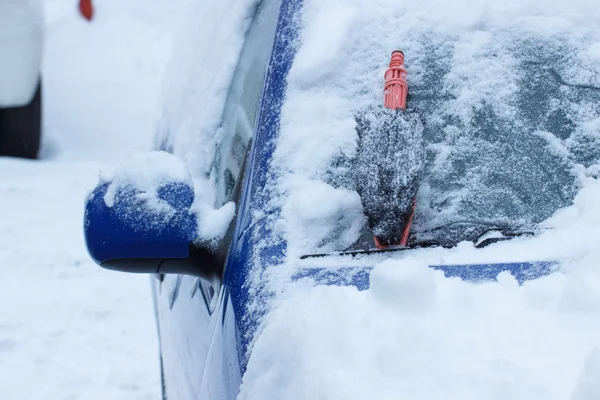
510 115
509 164
506 165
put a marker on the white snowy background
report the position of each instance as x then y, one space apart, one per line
68 329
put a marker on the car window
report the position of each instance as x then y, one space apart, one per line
239 116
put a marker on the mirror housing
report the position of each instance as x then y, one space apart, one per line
127 229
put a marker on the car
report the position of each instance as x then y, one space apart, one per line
210 300
21 44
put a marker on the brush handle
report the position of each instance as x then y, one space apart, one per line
395 88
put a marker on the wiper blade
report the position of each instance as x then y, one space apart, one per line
483 241
361 252
480 242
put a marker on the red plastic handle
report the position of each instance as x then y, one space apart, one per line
395 89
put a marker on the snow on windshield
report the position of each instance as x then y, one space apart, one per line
507 91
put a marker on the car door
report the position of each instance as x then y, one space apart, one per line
188 308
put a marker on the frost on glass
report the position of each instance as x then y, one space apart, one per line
510 163
502 143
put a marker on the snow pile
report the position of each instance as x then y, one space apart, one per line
334 215
507 92
588 386
160 184
145 174
416 334
213 222
409 289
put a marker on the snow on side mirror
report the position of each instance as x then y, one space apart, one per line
139 219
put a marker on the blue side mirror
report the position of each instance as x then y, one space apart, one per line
126 231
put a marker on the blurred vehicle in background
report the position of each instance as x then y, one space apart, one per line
21 42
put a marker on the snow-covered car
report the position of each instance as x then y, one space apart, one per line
21 41
509 118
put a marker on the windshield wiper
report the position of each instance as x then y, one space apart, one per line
498 235
492 234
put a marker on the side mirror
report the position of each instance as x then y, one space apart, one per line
132 230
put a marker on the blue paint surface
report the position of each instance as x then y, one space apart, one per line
359 277
248 249
130 230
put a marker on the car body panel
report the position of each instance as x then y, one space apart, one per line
21 45
250 255
359 277
186 329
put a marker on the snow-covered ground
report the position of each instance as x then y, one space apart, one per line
68 329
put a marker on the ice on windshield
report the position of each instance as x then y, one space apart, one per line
508 94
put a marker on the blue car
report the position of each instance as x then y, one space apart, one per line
208 305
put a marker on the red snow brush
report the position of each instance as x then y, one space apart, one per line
395 92
86 8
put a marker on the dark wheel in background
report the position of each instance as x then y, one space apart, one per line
20 128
